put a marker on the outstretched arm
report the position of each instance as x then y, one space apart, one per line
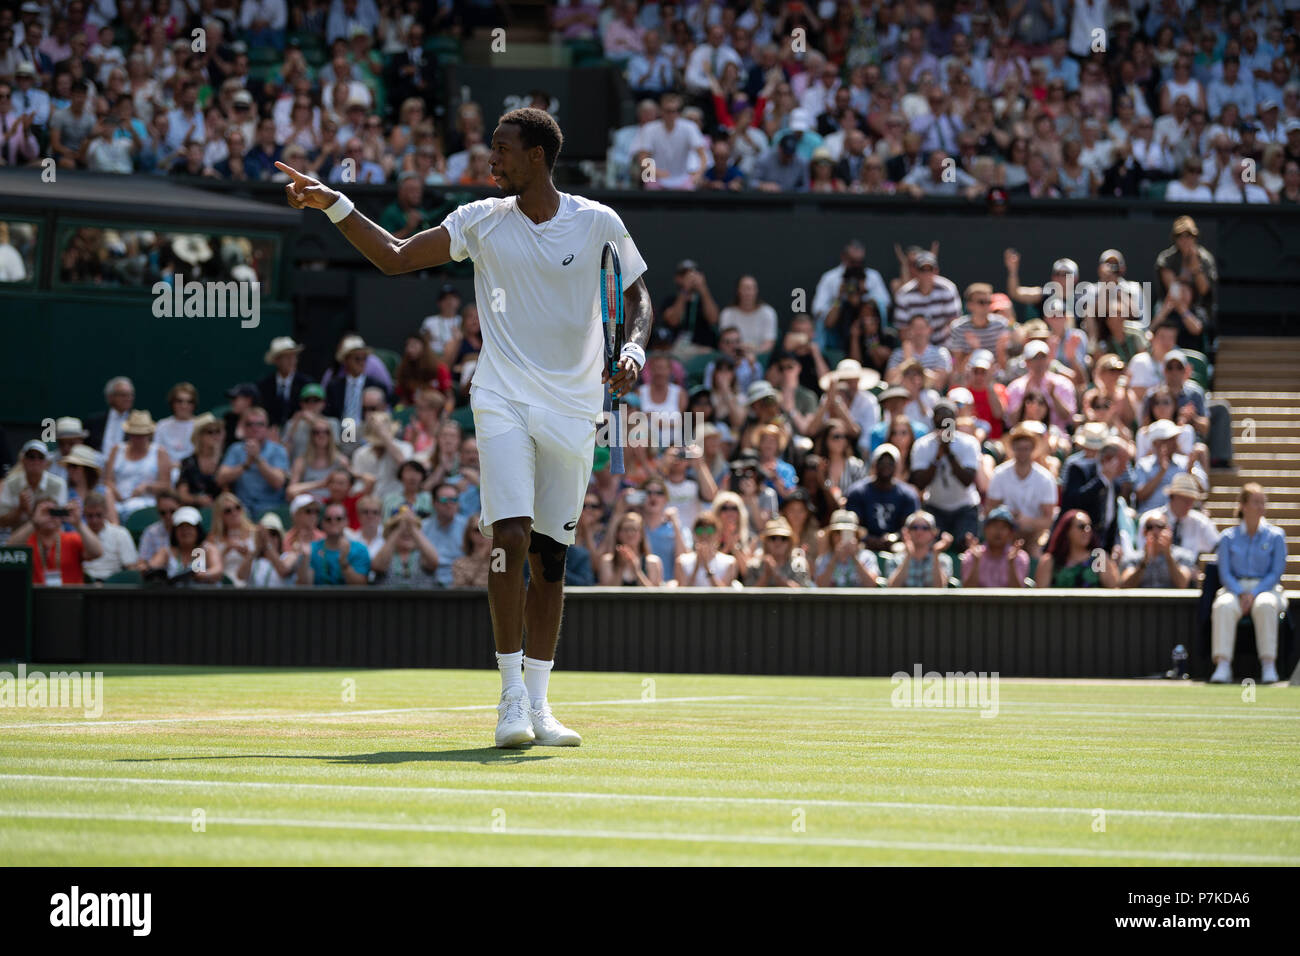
390 255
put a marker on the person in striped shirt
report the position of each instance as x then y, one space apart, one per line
935 359
929 294
978 328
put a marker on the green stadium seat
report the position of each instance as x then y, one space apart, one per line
833 357
1200 367
464 416
402 415
1154 190
124 577
696 366
286 518
762 359
139 520
443 46
389 358
263 56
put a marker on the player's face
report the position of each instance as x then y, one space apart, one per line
508 161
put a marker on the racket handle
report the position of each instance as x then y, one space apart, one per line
615 440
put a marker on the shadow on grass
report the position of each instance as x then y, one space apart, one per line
480 755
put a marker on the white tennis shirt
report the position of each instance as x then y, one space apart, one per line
537 288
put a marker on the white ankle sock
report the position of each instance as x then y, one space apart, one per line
511 677
537 674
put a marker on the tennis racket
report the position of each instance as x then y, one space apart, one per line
611 315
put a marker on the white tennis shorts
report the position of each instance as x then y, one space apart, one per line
532 463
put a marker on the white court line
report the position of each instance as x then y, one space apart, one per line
351 713
668 836
650 797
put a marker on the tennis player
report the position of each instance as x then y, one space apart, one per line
537 392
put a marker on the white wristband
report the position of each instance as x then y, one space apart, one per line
635 352
341 209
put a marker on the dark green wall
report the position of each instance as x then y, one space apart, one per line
61 348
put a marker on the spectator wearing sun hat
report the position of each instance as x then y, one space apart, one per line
24 484
1000 561
1189 527
1190 263
846 563
846 396
281 390
880 503
1155 471
782 563
68 432
1158 562
344 391
922 561
893 403
139 468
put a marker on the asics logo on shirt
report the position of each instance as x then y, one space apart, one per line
571 525
567 259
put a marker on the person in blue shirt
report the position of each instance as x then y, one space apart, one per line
336 559
881 503
257 467
445 529
1251 559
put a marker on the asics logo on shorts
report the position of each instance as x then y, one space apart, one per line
571 525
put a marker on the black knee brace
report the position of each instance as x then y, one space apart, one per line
552 554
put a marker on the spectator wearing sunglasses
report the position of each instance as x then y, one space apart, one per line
845 562
334 560
256 469
305 522
922 563
446 530
704 566
781 564
370 518
1160 564
156 536
23 485
1074 558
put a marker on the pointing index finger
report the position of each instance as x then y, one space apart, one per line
298 178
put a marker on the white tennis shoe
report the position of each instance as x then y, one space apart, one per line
514 728
1268 673
550 732
1222 674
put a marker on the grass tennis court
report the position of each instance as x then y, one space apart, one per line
713 770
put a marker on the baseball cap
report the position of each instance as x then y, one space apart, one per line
1176 355
26 68
1001 513
1035 348
187 515
300 502
245 389
35 445
686 265
1290 126
311 390
961 396
1112 254
1066 265
1266 104
758 391
244 97
981 358
447 289
926 258
271 520
886 449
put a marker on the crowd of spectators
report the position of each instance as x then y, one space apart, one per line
1193 101
903 434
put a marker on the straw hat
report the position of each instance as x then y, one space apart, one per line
1185 484
139 422
1092 435
351 343
69 427
850 370
844 521
1163 430
279 345
778 528
83 455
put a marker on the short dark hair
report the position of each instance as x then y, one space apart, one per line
80 86
537 128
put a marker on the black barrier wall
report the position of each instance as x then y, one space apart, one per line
841 633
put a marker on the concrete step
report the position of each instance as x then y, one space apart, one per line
1265 429
1244 367
1246 442
1270 479
1284 498
1256 397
